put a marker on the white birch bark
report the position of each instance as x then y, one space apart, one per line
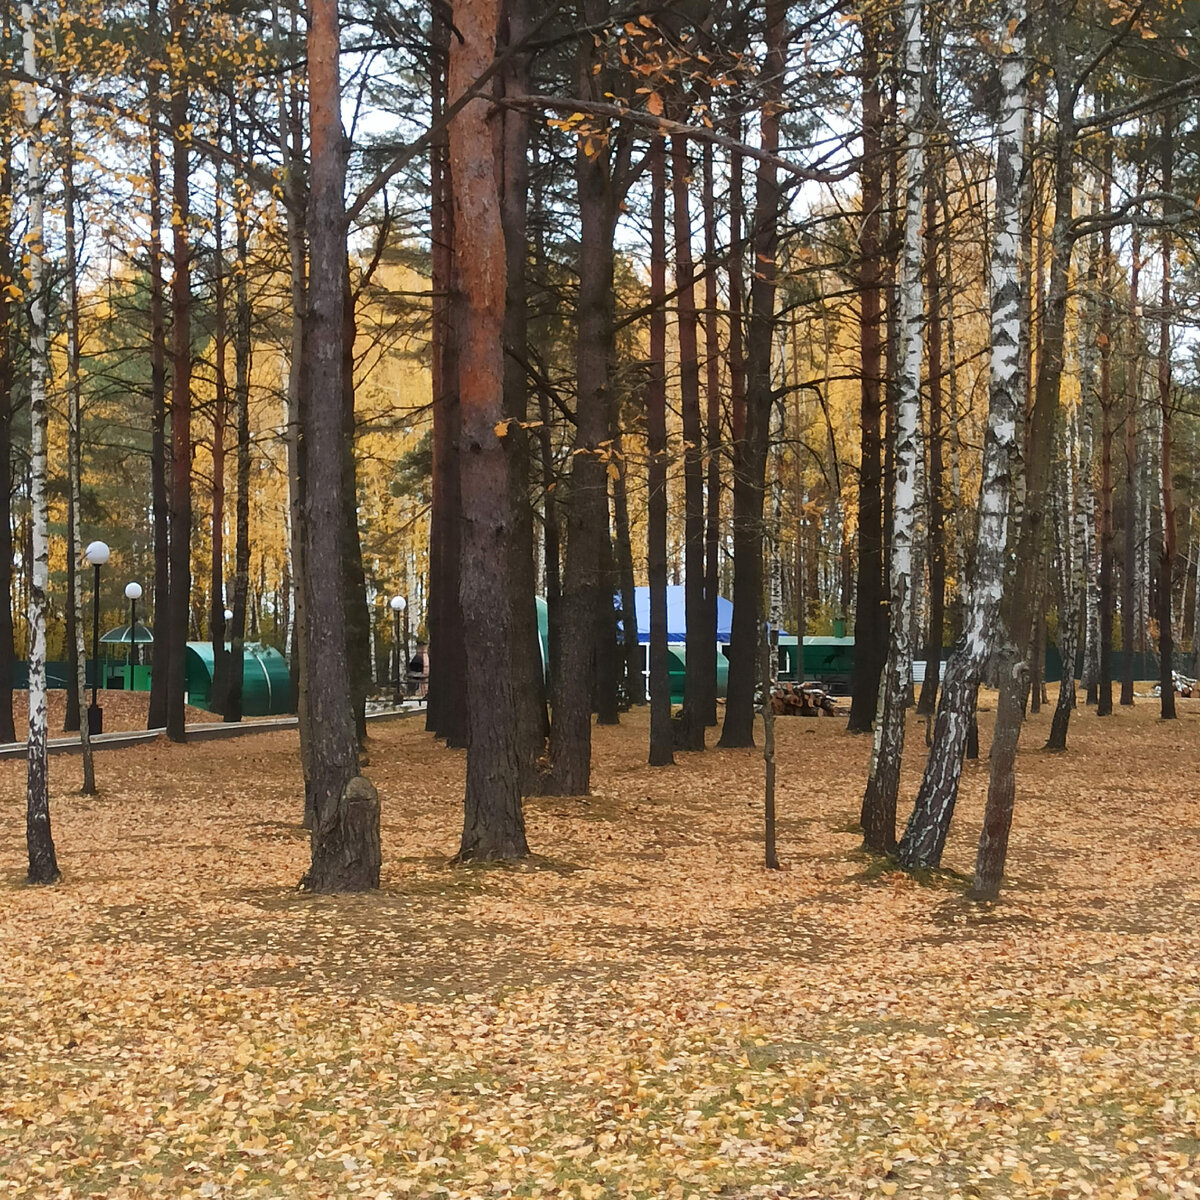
43 867
925 835
883 783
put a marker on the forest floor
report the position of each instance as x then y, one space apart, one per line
122 711
643 1011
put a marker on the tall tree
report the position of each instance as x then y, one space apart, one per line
179 588
661 734
493 824
1104 702
446 710
77 684
159 489
883 781
1133 371
870 613
43 864
699 647
929 824
241 388
1019 609
527 668
600 172
750 444
1166 561
345 807
7 407
927 702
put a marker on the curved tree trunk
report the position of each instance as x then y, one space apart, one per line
1019 608
929 824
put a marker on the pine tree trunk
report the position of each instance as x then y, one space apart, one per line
1104 704
751 452
1068 539
712 387
345 807
493 825
1166 633
631 651
179 591
358 617
699 649
241 374
587 501
77 684
1133 369
159 494
527 671
662 739
925 836
446 710
870 620
291 143
39 840
883 781
216 598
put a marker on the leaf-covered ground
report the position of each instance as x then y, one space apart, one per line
643 1012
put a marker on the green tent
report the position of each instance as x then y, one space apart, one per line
266 681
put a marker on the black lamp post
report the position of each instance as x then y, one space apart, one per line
97 554
133 593
397 605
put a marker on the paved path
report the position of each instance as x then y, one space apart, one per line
197 731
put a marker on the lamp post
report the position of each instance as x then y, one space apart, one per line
228 615
97 554
133 593
397 605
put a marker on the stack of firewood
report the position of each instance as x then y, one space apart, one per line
802 700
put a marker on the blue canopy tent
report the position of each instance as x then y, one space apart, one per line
677 615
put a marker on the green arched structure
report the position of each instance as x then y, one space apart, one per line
266 681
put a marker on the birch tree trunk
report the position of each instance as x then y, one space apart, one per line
1018 617
883 781
925 835
43 865
8 306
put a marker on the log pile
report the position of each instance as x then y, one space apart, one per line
802 700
